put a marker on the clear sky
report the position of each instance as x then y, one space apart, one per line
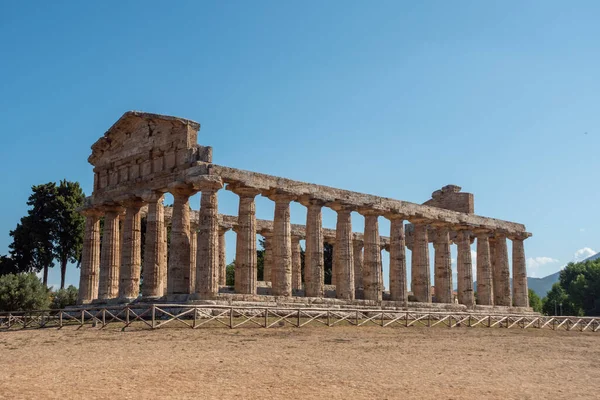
393 98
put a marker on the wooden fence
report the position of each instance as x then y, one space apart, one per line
197 316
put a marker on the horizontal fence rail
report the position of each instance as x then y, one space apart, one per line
157 316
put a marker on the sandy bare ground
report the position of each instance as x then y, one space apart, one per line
306 363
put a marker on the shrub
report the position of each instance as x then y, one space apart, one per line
23 292
65 297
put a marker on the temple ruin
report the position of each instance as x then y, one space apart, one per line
143 156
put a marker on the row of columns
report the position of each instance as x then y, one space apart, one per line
115 271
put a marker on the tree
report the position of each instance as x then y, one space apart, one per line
230 274
64 297
8 266
52 229
32 246
557 302
534 301
22 292
67 226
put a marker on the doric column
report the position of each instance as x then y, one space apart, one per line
296 264
90 258
398 287
442 265
357 251
164 268
420 274
193 254
152 286
222 256
344 258
495 272
245 248
465 269
372 257
504 296
131 251
268 256
484 270
110 256
314 265
207 264
520 292
178 276
281 271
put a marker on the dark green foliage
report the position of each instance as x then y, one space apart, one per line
32 246
67 226
578 290
230 274
23 292
8 266
52 229
534 301
64 297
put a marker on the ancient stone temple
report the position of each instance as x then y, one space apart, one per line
143 156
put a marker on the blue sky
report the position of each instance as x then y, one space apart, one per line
392 98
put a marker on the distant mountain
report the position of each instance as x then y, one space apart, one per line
541 286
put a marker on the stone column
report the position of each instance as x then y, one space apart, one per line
245 249
90 258
222 257
372 258
420 274
193 254
495 272
398 285
268 256
344 258
357 250
152 286
504 297
131 251
296 264
207 264
178 277
281 272
443 266
314 265
520 292
484 270
465 269
110 256
164 268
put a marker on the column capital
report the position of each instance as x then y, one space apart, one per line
341 207
130 202
112 207
223 229
369 212
296 239
242 190
152 196
281 196
91 212
310 201
519 236
207 183
181 189
394 215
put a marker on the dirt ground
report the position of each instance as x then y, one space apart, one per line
307 363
